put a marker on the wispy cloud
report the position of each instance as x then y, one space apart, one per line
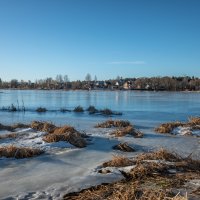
127 63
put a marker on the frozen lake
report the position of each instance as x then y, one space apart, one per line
51 175
136 105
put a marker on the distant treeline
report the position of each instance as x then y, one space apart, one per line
63 83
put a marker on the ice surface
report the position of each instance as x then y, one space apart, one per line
187 131
65 168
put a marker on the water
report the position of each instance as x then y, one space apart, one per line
135 105
51 175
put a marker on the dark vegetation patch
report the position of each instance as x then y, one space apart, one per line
19 152
92 110
41 110
109 112
123 147
64 110
78 109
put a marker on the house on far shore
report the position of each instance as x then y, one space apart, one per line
127 85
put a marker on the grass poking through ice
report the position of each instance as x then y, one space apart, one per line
19 152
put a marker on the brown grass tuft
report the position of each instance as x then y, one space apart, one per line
123 191
64 129
19 152
118 161
10 135
194 121
146 181
129 130
66 133
20 125
160 154
168 127
123 147
113 123
43 126
73 138
13 127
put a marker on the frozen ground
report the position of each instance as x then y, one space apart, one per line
65 168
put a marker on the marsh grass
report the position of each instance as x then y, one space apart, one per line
66 133
146 180
19 152
123 147
41 110
193 122
161 154
129 130
92 110
64 110
109 112
56 134
43 126
78 109
8 136
118 161
13 127
113 123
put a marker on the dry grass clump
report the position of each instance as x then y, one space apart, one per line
20 125
168 127
194 121
8 136
142 170
56 134
123 191
118 161
160 154
73 138
43 126
19 152
109 112
113 123
188 164
146 181
4 127
78 109
41 109
123 147
13 127
66 133
129 130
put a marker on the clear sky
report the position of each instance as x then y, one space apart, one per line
130 38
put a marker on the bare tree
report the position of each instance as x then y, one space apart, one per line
88 77
95 78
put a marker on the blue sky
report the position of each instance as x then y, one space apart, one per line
130 38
